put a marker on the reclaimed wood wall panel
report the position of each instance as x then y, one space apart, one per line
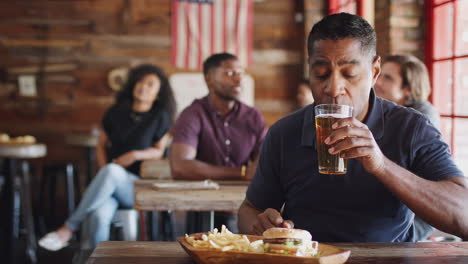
70 46
278 55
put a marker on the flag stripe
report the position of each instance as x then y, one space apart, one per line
175 32
188 50
182 37
212 27
200 36
218 33
237 39
231 27
225 26
242 32
194 36
248 37
205 34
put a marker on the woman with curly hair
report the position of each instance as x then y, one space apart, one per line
133 129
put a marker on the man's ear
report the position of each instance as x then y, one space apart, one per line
375 69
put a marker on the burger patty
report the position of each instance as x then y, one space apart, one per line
280 240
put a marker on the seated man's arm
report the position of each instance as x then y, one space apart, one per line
441 200
185 166
442 204
254 221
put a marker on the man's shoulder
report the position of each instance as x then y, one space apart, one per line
404 121
195 108
393 112
426 108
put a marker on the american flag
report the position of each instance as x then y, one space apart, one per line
203 27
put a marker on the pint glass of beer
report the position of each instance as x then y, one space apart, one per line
325 116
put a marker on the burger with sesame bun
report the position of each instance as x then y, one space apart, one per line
287 241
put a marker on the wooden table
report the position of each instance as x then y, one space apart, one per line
17 196
362 253
228 198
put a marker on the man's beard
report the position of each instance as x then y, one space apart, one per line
226 97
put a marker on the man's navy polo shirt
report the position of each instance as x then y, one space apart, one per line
354 207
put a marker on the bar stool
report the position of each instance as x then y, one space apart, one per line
17 196
89 142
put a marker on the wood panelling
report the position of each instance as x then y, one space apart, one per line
70 46
278 55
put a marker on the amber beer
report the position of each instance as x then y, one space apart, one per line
325 117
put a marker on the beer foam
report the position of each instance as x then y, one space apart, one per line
335 115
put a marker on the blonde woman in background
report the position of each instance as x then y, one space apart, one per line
405 81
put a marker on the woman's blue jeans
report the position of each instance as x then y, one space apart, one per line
112 188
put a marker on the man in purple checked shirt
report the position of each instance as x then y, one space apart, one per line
217 137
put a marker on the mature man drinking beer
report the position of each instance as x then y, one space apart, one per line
397 160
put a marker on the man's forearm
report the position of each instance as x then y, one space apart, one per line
198 170
246 217
443 204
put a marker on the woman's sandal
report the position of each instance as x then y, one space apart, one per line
52 242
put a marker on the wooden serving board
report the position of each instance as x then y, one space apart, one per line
327 255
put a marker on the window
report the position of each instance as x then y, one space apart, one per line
447 61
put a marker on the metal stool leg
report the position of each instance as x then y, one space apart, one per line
42 197
212 216
91 156
12 210
52 189
76 178
168 226
70 188
27 213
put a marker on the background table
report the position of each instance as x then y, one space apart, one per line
17 196
362 253
229 197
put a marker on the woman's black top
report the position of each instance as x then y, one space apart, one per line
128 130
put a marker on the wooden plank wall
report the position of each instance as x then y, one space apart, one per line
70 46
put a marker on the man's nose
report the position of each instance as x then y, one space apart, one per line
237 78
336 85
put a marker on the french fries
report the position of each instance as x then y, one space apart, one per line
224 241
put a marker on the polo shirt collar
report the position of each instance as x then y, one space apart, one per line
374 120
213 110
